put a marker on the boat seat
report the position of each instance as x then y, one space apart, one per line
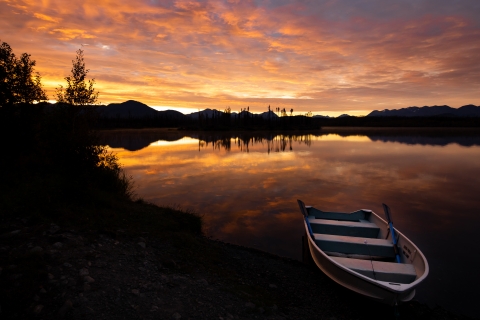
344 228
384 271
353 216
355 245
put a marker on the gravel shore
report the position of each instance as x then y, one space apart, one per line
47 272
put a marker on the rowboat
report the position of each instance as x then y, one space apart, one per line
357 251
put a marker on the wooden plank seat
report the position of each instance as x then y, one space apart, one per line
382 271
344 228
342 216
355 245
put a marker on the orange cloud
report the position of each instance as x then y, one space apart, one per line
45 17
318 56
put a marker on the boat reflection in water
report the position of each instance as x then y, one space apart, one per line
246 184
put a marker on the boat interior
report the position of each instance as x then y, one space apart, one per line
361 242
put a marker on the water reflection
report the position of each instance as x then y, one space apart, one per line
248 198
243 141
435 140
134 140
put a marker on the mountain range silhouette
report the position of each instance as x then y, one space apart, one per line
135 109
426 111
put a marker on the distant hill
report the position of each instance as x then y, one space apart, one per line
135 109
171 114
243 114
319 116
127 109
267 115
426 111
205 113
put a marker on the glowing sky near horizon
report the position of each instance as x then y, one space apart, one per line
325 56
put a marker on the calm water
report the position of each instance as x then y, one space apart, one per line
246 187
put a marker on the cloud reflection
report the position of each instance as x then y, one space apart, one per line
338 174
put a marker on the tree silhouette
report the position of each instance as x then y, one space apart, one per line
18 81
78 92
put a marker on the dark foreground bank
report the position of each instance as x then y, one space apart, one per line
137 268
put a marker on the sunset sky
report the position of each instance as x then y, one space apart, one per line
325 56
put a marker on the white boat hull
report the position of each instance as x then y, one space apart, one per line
386 292
355 282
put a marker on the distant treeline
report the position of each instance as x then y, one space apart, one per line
157 121
437 121
225 122
216 122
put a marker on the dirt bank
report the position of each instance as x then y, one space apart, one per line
50 272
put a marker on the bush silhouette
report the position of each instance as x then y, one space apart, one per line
52 155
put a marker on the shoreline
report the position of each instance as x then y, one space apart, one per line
325 129
401 129
117 274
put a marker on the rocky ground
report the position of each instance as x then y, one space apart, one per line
48 272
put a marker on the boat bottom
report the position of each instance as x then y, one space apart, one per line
357 284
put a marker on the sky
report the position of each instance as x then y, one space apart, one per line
329 57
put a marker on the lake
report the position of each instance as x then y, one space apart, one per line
245 185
